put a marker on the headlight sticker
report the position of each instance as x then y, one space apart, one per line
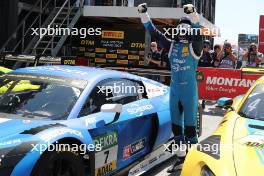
253 141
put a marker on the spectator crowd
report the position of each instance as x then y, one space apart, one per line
225 57
220 57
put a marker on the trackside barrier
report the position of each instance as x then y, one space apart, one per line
158 74
213 83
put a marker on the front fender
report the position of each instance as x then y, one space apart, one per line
47 141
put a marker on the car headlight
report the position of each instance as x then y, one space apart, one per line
206 171
210 146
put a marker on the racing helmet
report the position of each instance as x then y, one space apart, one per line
183 28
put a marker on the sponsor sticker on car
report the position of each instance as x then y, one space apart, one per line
139 110
134 148
156 157
105 169
255 141
105 160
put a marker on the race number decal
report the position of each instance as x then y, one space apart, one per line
105 160
252 106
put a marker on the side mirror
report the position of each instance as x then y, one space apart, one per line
224 102
117 108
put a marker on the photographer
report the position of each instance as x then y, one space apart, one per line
228 59
252 58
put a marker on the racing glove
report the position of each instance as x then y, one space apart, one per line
190 10
142 10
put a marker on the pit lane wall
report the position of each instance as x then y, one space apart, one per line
214 83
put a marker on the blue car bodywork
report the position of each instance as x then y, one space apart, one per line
142 126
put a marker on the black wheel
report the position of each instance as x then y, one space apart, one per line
199 120
55 163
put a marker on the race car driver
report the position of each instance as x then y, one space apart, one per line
184 53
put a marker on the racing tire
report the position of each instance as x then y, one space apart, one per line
55 163
199 120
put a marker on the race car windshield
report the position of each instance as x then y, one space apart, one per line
37 98
253 106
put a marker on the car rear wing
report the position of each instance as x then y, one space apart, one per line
17 61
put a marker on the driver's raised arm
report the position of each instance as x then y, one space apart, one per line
197 39
145 19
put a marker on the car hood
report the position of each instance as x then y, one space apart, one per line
248 148
15 127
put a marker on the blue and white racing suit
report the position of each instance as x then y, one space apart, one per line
183 59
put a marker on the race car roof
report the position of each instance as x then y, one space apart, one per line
74 72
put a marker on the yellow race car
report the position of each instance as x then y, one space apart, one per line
4 70
21 86
236 148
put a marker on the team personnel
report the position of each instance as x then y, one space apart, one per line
154 58
184 53
216 55
206 60
228 59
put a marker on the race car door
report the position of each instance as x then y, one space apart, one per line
129 137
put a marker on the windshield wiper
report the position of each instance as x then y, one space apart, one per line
242 114
29 114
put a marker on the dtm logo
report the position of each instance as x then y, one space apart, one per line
139 110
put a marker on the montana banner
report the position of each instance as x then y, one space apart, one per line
214 83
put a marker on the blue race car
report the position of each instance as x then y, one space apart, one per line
82 121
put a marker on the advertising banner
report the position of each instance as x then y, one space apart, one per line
69 60
214 83
115 46
261 34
